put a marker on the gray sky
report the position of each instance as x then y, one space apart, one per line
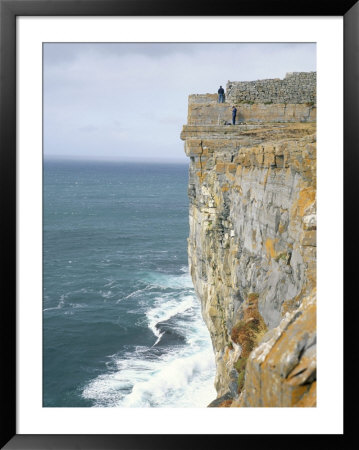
129 101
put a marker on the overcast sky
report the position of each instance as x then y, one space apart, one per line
129 101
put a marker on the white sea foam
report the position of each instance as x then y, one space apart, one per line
165 281
177 376
164 309
78 305
174 382
178 379
60 305
106 294
135 293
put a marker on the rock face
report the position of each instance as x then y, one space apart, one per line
210 112
281 371
252 250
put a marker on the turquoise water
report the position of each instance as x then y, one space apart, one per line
121 324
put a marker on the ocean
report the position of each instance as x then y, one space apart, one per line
122 326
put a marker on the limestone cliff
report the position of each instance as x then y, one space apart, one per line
252 243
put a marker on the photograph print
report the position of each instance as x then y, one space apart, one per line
179 225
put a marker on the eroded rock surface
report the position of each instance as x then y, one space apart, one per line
281 371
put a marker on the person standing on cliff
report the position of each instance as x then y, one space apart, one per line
220 95
234 113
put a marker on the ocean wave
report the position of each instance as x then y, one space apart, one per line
106 294
174 384
60 305
178 369
165 281
175 380
135 293
154 281
65 301
165 309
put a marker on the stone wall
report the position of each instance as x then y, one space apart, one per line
213 113
296 87
292 99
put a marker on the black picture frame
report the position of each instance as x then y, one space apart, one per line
9 10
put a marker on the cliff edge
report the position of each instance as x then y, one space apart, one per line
252 242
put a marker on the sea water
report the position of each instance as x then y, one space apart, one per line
122 326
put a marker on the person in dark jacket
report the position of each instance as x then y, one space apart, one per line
234 113
220 95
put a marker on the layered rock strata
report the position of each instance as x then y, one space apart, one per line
205 110
252 255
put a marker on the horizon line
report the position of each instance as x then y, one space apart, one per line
128 160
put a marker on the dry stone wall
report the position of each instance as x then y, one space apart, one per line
292 99
296 87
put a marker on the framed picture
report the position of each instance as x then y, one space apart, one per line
40 409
